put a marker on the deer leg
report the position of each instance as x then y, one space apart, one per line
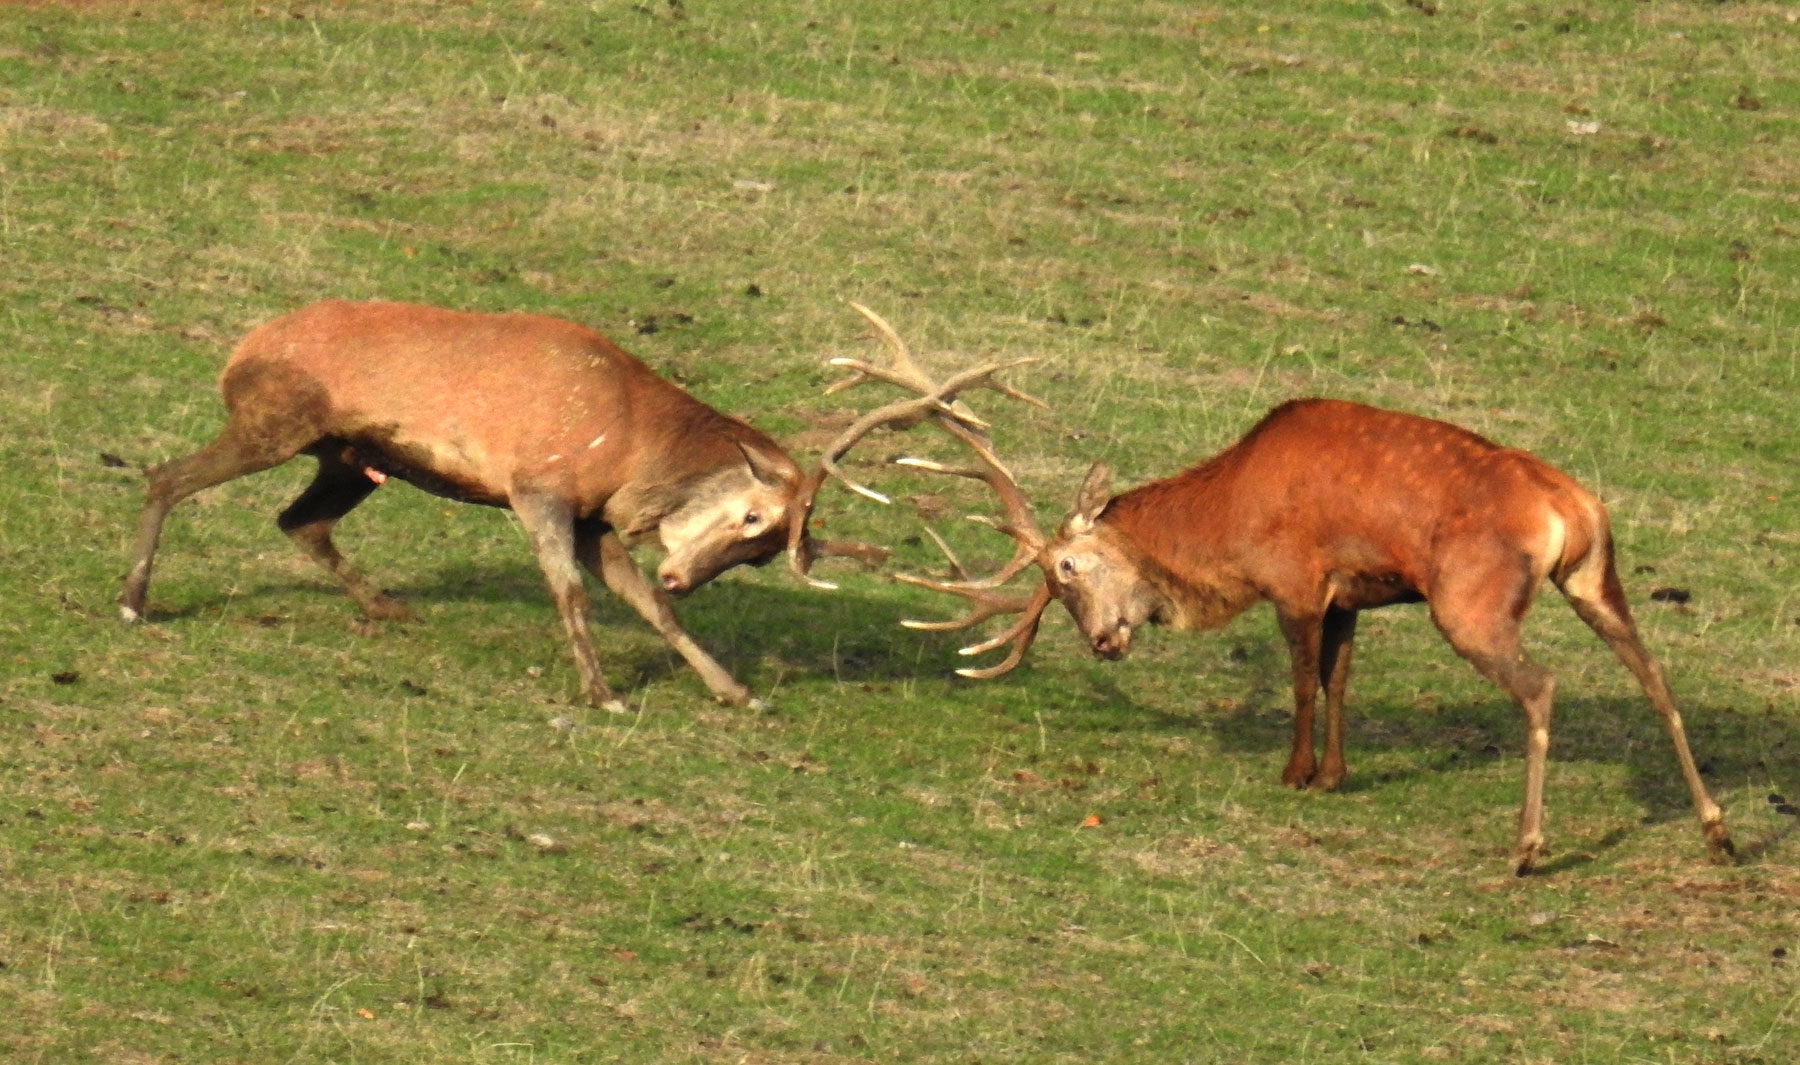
334 492
1303 634
550 525
240 449
1605 610
605 554
1336 637
1480 616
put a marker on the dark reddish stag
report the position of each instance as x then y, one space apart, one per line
1326 509
590 449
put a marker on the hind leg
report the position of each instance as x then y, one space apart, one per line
275 414
238 450
335 491
1479 611
1601 603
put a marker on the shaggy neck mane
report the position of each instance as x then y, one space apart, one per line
704 447
1170 525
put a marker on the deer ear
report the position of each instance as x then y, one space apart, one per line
769 469
1096 492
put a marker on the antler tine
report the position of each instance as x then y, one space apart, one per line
903 414
985 605
1024 556
801 549
937 401
902 357
945 395
934 401
1029 608
906 373
1020 634
1021 523
1029 543
956 566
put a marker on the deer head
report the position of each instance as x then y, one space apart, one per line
736 516
1101 577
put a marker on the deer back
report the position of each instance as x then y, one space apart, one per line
482 407
494 397
1324 491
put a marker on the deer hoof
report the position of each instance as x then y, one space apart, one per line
615 706
741 698
385 609
130 616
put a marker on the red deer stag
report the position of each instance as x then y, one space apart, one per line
1327 508
590 449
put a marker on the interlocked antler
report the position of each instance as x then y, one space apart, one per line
985 602
938 403
933 401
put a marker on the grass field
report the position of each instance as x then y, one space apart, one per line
262 830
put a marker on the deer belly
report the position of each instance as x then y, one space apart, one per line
449 472
1366 591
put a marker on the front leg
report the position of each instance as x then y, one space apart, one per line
606 554
550 525
1303 636
1337 635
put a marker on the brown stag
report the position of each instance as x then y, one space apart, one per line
589 448
1325 509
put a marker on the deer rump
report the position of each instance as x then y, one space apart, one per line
582 441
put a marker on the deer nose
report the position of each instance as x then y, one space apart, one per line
1113 643
674 584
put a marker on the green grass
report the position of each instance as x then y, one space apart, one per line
261 831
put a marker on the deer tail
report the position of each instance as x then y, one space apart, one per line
1584 569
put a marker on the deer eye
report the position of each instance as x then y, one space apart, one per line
752 520
1066 567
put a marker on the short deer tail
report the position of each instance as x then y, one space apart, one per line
1586 571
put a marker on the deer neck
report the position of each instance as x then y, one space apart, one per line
1175 534
696 455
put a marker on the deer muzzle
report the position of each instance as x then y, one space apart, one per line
1112 644
677 579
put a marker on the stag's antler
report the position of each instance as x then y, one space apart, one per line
934 401
985 602
938 403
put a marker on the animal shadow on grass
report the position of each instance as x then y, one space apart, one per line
767 625
1735 749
